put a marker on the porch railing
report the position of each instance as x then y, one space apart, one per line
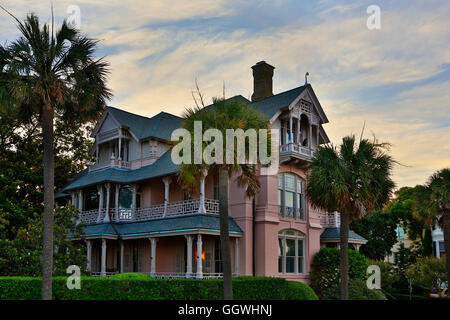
297 149
171 275
330 220
172 209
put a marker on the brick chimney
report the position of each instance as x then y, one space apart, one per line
262 80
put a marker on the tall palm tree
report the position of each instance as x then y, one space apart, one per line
432 204
224 114
354 179
47 71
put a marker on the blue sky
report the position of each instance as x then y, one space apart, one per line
395 79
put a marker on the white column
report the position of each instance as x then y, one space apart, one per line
199 257
133 201
310 134
153 256
189 256
291 133
117 202
108 196
119 155
100 203
89 254
74 199
201 207
121 256
236 256
438 251
103 270
80 200
317 135
167 181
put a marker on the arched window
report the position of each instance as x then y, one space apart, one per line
291 252
291 198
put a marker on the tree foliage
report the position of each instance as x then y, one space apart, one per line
380 231
21 256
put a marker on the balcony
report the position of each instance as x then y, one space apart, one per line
296 149
173 209
113 163
291 213
330 220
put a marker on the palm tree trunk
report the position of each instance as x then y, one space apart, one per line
447 244
49 182
344 230
224 236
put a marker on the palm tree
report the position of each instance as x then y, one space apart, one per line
432 204
46 72
354 179
224 114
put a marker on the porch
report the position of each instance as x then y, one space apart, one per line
180 256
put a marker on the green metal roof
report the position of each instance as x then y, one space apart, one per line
161 167
197 222
270 106
159 126
334 234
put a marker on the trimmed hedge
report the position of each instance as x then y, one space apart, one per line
357 290
132 288
300 291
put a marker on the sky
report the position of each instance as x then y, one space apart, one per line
395 80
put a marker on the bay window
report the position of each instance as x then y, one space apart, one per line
291 245
291 196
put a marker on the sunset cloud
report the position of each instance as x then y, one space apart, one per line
395 79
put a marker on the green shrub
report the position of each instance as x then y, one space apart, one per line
389 274
357 290
300 291
325 268
138 288
428 273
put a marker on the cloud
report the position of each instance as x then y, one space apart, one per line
396 79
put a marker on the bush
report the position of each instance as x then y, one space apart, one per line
428 273
389 274
325 268
357 290
299 291
138 288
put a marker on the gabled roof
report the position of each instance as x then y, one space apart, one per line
161 167
170 225
271 105
159 126
333 234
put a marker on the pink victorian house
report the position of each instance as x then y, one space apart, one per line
139 219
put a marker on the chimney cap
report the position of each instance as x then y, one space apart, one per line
262 63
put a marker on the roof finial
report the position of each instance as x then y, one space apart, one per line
306 78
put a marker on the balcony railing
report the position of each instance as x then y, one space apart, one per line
113 163
296 148
291 213
330 220
170 275
173 209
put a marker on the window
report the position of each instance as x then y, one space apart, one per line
291 196
125 201
291 252
91 199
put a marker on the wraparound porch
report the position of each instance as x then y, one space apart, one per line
179 256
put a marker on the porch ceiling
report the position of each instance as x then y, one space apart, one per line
198 223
